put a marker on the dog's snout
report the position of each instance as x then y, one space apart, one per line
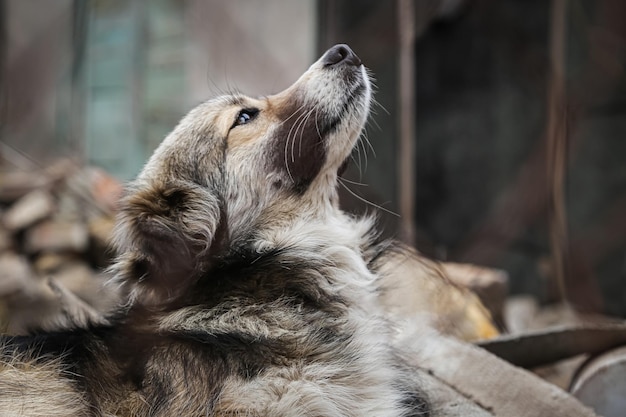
341 54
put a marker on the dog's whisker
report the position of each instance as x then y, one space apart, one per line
376 103
367 201
365 137
302 130
292 114
286 159
299 125
289 139
357 148
369 146
360 184
365 155
356 163
317 127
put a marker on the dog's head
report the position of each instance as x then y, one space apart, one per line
236 165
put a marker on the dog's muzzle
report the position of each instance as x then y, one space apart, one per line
331 100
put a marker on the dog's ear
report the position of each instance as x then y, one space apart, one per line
166 235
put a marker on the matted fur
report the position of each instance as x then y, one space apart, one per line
250 292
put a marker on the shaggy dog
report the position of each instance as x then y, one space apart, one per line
250 292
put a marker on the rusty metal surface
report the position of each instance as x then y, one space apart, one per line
543 347
601 383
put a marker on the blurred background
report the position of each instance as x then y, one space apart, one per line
499 137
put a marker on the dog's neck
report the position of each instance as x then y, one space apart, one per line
336 241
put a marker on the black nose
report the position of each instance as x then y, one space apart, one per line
340 54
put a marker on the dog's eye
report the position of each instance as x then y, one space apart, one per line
245 116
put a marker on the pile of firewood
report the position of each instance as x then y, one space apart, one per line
55 224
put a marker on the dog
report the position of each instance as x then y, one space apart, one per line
249 292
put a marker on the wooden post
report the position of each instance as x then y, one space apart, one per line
557 146
406 106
